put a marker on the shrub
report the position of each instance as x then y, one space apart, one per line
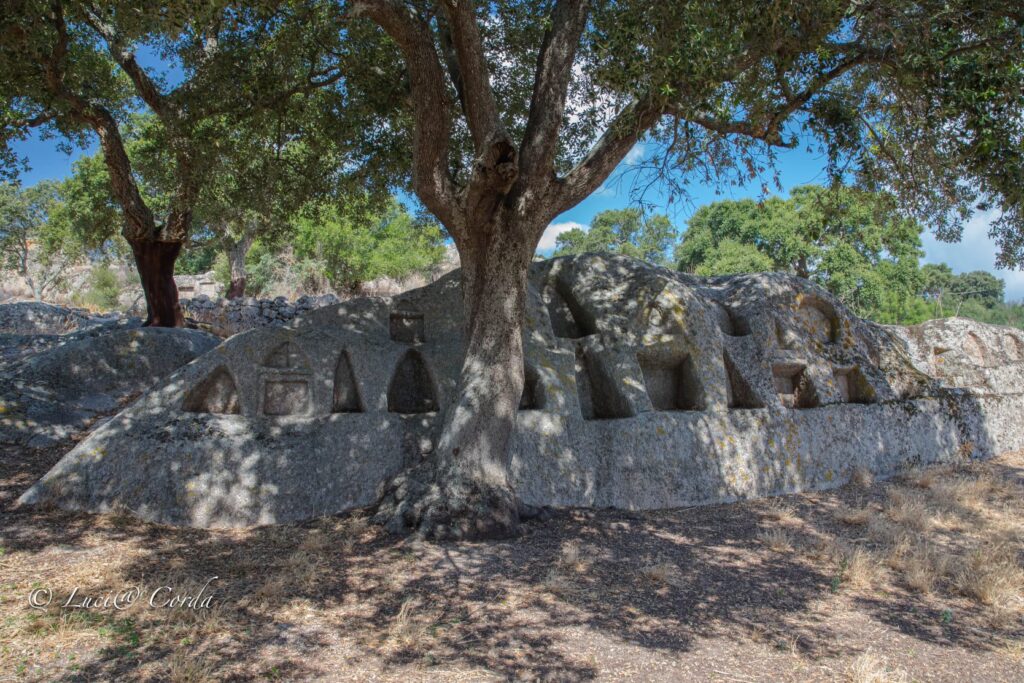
103 289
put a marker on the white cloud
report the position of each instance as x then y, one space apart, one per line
975 251
547 240
635 155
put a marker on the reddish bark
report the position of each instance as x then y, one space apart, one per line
236 290
155 263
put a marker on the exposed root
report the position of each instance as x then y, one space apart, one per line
449 507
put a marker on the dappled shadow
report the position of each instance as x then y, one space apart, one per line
302 600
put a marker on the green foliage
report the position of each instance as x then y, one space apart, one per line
362 241
854 243
624 231
103 288
197 259
33 242
731 257
977 294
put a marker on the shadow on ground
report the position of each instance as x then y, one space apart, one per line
337 594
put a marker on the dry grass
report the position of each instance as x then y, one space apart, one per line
861 567
871 668
780 510
574 558
185 667
336 597
405 629
993 576
924 477
922 567
853 516
909 509
861 477
777 539
660 573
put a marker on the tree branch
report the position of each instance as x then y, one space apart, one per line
139 222
633 121
125 58
550 88
485 124
628 127
430 104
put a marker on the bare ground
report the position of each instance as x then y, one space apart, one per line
920 578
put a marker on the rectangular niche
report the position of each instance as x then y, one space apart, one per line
793 386
741 395
671 382
852 386
600 398
533 390
407 326
568 319
731 323
285 397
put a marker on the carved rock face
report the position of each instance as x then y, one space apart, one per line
643 388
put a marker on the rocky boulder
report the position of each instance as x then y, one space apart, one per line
644 388
49 395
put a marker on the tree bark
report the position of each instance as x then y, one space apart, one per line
155 262
462 490
236 262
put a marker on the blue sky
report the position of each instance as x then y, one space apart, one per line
976 251
796 167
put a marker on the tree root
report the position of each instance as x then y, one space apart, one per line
447 506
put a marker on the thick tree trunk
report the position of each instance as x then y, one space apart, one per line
462 490
155 263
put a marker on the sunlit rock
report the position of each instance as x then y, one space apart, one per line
644 388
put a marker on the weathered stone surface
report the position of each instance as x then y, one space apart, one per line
968 354
49 395
35 317
645 388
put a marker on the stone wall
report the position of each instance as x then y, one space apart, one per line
226 317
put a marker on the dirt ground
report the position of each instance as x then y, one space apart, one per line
920 578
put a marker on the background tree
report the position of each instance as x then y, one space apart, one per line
363 239
499 149
30 244
852 242
623 231
71 68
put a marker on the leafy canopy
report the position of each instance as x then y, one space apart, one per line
852 242
625 231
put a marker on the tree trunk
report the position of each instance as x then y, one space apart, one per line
155 263
236 262
462 490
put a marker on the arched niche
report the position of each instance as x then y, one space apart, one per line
411 389
818 319
346 391
218 394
